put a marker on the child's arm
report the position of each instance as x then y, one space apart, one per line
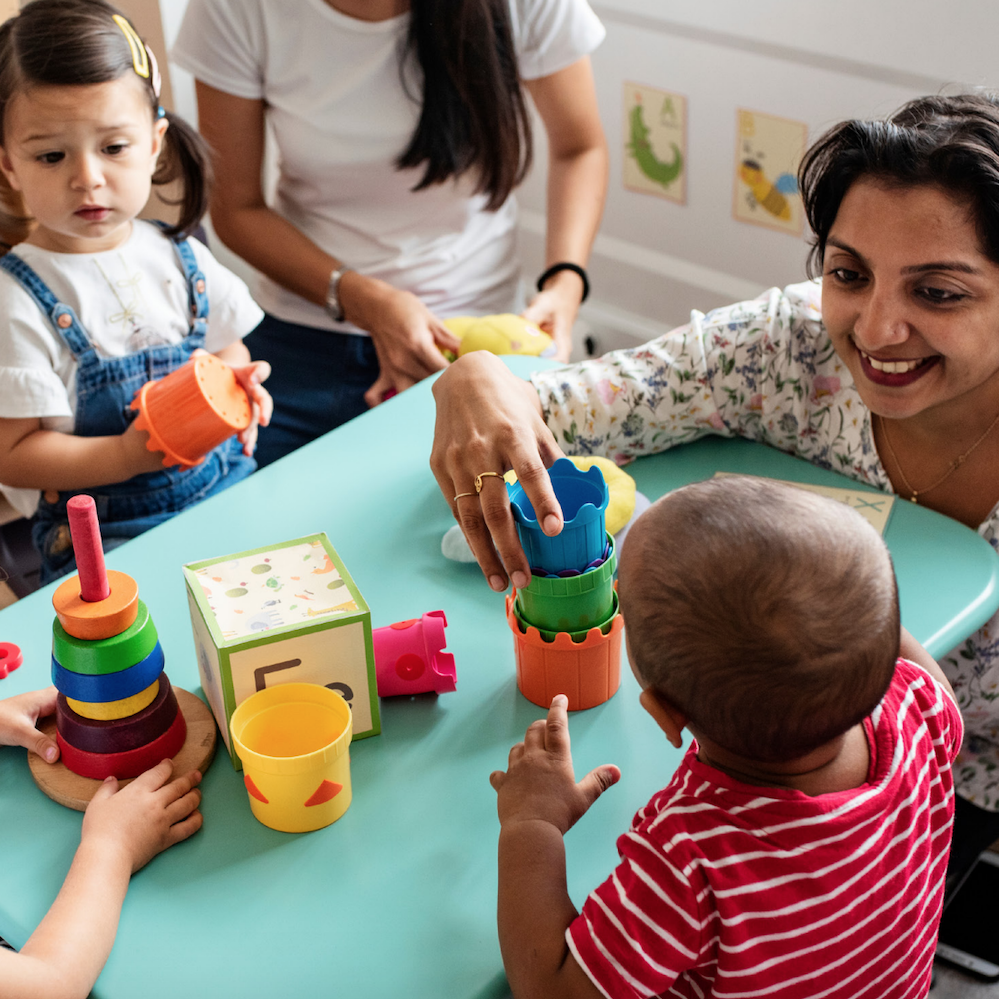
911 649
250 374
539 801
34 458
122 831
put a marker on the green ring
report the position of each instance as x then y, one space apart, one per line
105 655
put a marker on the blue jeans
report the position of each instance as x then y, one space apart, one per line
318 382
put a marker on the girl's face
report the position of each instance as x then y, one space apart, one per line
82 158
910 300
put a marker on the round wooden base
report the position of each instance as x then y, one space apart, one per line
74 791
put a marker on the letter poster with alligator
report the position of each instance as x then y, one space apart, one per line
768 151
655 142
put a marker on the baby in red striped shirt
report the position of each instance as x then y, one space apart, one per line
801 846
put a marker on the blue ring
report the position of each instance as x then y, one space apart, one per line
101 687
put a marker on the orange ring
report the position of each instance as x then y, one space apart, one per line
96 619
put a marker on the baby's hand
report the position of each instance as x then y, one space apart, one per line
250 376
145 817
539 783
19 718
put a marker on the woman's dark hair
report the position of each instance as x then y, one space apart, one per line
473 111
948 142
60 43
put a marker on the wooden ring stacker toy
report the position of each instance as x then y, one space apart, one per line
107 655
191 737
108 686
129 764
110 710
94 736
192 410
75 791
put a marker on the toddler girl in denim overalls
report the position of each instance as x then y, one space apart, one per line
94 302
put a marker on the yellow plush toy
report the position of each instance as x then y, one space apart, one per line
502 334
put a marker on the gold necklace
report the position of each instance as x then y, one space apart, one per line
954 465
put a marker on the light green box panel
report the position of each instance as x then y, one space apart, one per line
286 613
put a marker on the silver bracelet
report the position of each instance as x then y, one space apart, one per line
333 304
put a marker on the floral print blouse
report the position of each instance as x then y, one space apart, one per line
765 370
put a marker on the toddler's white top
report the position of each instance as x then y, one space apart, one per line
341 115
131 297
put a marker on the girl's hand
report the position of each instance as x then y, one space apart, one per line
539 784
489 420
146 816
250 376
19 720
407 336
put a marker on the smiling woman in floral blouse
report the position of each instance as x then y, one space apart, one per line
886 370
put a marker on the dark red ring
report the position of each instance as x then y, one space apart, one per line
119 735
130 764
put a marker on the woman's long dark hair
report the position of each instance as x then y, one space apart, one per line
70 43
474 116
946 142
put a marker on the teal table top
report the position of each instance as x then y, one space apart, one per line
398 897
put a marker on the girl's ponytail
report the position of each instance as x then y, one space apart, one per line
185 157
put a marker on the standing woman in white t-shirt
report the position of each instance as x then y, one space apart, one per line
402 129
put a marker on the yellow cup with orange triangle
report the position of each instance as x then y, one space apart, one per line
293 740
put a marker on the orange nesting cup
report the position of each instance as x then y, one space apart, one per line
192 410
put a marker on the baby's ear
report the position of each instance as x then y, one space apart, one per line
667 717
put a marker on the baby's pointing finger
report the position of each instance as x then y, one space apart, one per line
557 728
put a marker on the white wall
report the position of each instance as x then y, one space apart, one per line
811 62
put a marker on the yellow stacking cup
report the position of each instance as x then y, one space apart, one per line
293 741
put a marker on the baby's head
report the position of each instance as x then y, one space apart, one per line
766 615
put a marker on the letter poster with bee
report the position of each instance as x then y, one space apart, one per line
655 142
768 152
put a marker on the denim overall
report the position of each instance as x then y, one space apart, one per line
105 388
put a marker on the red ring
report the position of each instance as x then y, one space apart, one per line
10 658
128 764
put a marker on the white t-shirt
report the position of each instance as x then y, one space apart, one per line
341 116
128 298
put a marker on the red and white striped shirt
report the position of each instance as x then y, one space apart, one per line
729 890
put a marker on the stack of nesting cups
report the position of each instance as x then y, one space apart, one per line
565 623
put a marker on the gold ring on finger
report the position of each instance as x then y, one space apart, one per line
479 478
459 495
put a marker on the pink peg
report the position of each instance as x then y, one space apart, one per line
87 547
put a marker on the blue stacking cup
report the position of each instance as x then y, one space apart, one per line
583 497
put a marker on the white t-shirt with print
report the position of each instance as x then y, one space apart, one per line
341 115
131 297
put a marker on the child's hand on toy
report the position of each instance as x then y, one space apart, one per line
146 816
539 784
250 377
135 454
19 720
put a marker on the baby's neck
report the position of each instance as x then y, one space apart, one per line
839 765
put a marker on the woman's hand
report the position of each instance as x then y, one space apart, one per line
489 420
407 336
555 308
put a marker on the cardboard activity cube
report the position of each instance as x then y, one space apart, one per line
287 613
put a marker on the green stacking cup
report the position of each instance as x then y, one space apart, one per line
570 603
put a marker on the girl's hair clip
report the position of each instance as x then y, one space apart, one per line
140 54
154 76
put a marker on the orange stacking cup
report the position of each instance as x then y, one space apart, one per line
587 672
192 410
